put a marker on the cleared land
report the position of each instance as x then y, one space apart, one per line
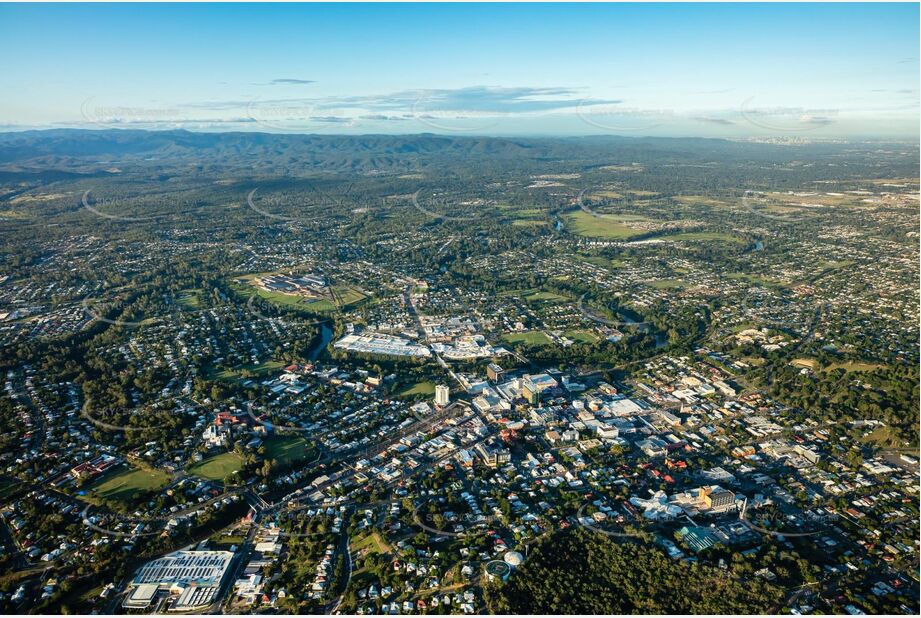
373 542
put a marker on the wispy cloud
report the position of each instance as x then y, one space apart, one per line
286 81
711 120
331 119
500 100
471 101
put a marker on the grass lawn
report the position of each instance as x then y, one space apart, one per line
322 305
373 542
756 280
534 337
541 296
225 541
581 336
419 388
190 299
128 484
666 284
521 293
783 210
704 237
288 449
599 260
348 296
854 366
258 371
611 195
248 288
608 226
701 199
218 467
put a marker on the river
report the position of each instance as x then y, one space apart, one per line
326 335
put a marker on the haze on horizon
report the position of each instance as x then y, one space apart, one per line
728 70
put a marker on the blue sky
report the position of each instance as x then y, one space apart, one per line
722 70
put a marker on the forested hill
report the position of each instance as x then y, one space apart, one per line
94 151
581 572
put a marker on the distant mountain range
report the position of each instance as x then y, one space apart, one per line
95 151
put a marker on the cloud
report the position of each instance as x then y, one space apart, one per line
331 119
499 100
816 121
468 102
720 121
385 117
289 81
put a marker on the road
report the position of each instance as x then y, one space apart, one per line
240 561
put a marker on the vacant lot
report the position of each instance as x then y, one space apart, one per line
373 542
223 542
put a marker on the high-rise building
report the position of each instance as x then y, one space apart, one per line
442 395
494 372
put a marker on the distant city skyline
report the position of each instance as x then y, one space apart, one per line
716 70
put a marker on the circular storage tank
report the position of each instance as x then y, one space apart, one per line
513 558
497 569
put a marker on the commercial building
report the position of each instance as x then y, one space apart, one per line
442 395
493 454
193 578
494 372
384 345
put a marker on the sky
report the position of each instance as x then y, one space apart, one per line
708 70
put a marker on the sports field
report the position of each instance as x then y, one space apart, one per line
128 484
217 468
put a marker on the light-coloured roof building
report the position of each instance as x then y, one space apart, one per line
194 575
